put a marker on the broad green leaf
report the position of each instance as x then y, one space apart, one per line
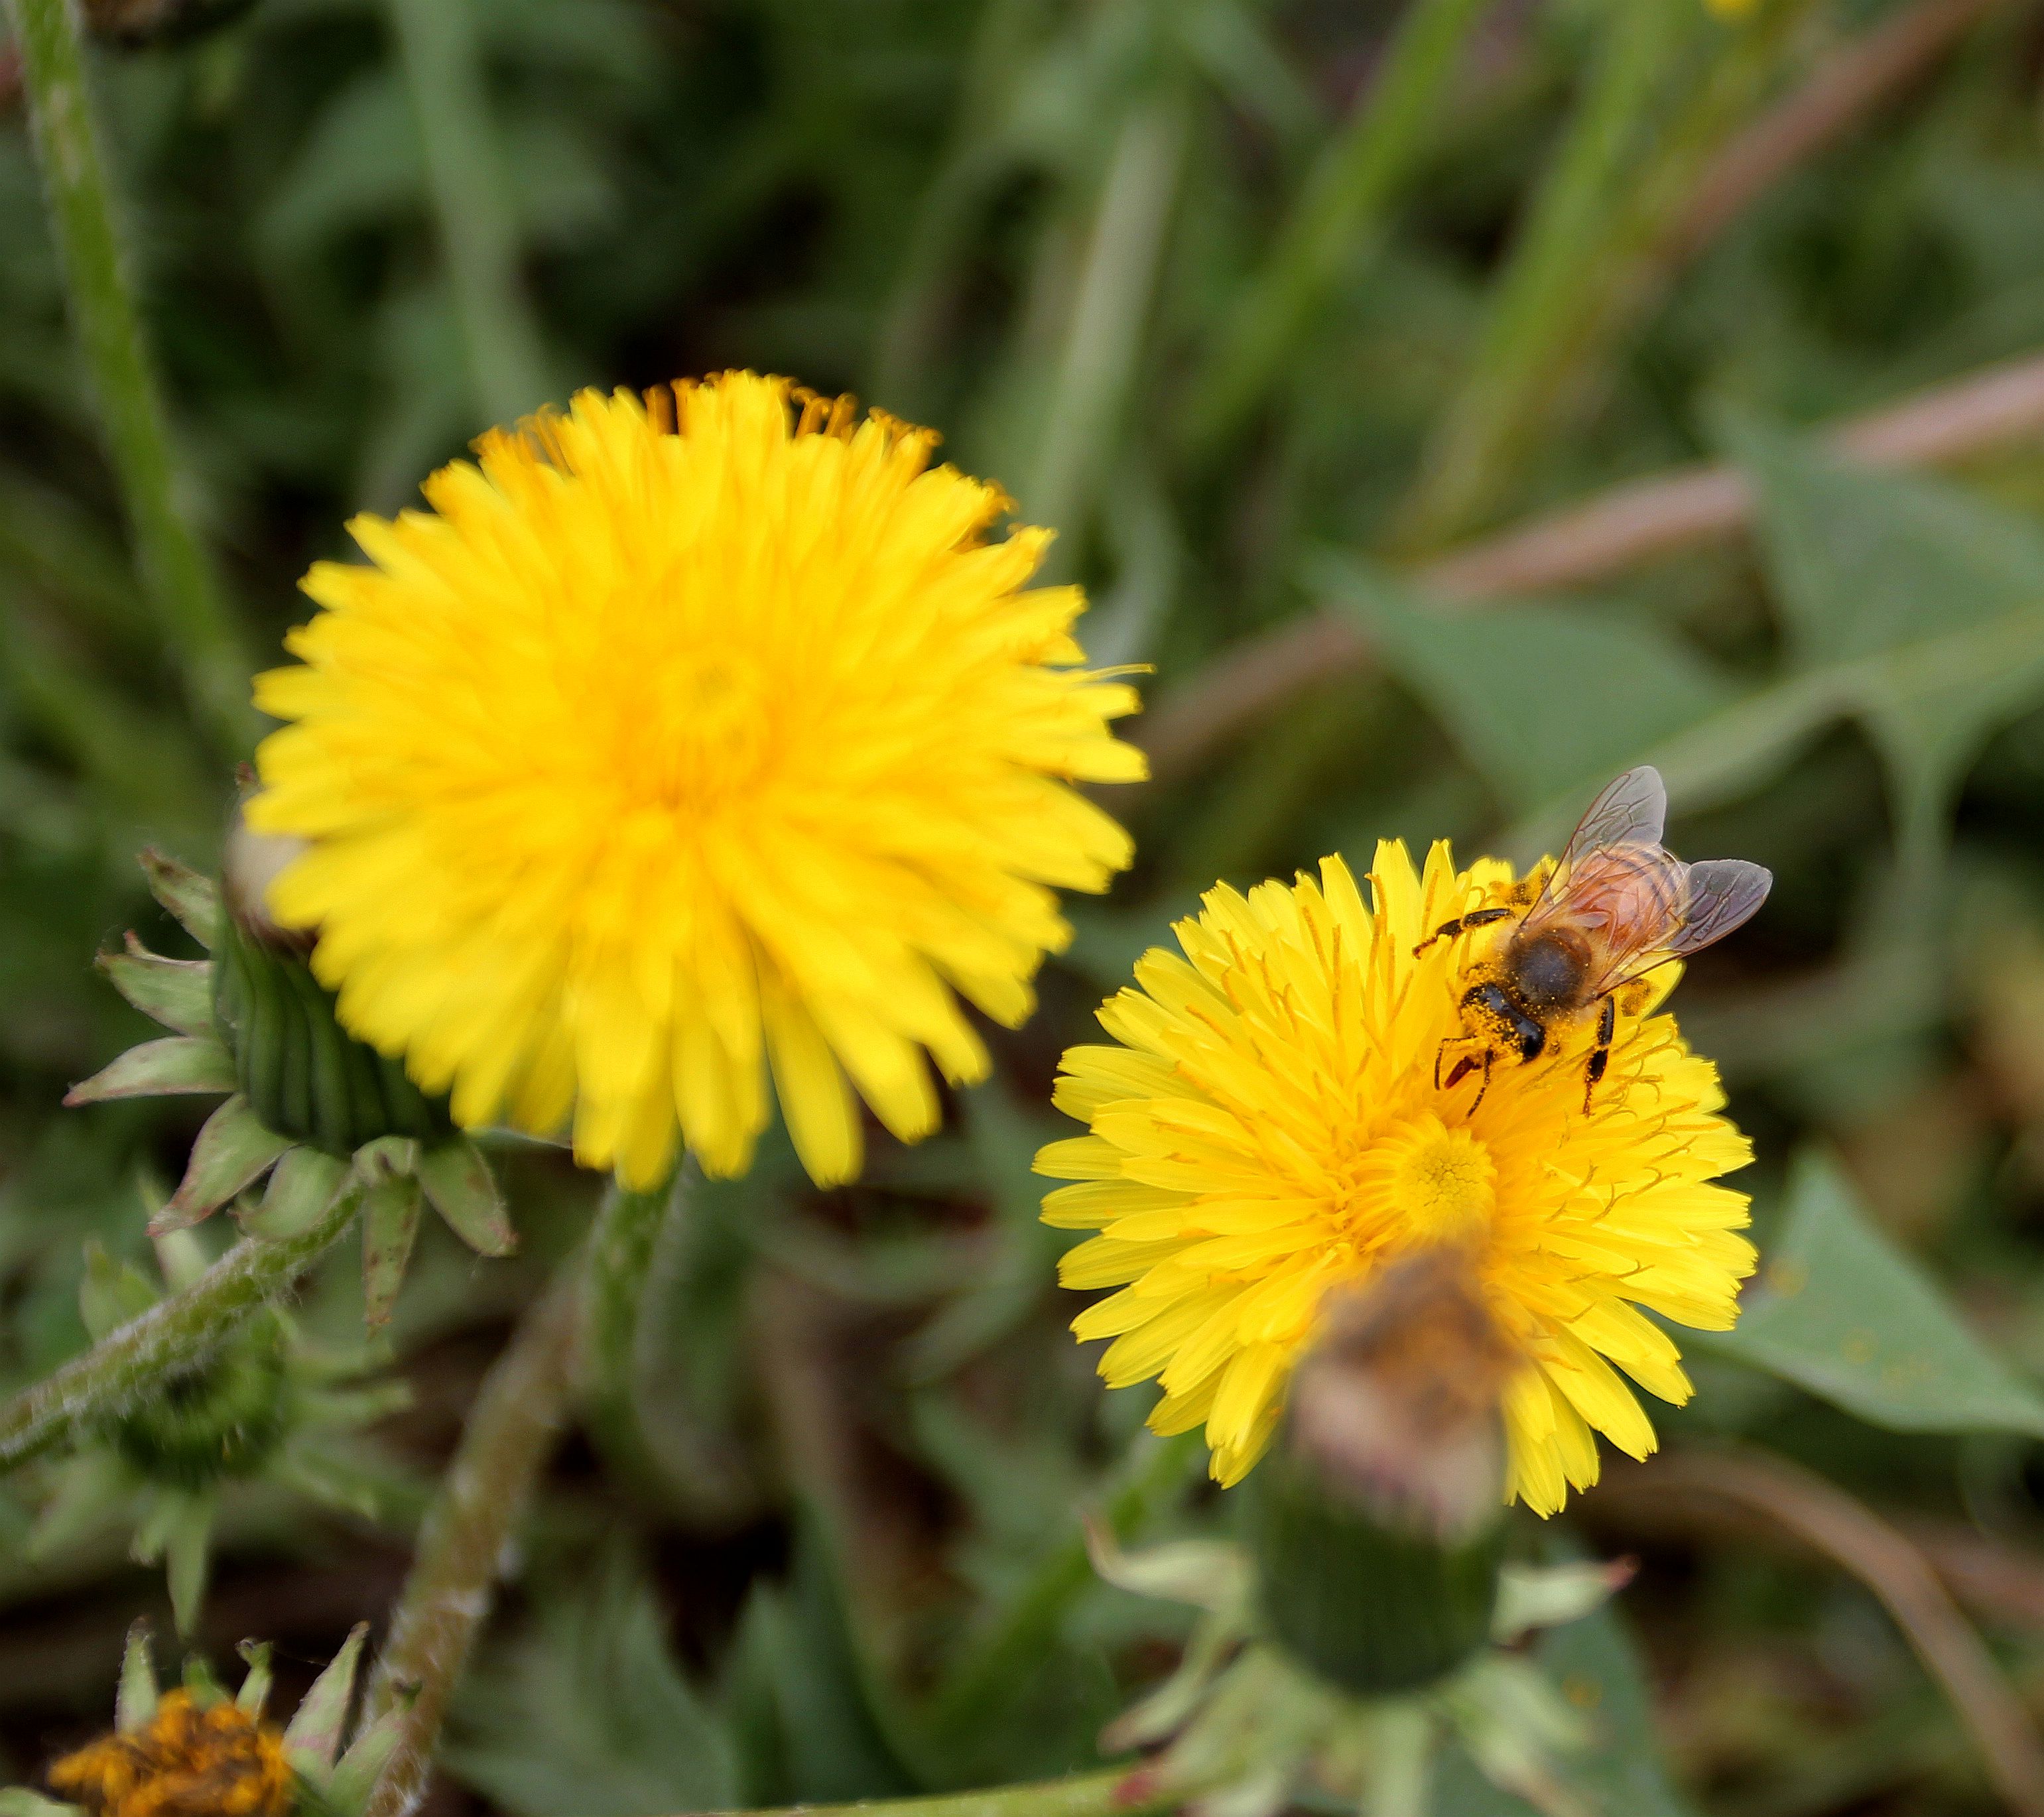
1546 700
1841 1311
1932 600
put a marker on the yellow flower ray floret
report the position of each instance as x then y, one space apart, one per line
1268 1129
683 738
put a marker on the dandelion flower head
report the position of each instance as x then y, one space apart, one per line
189 1760
685 738
1267 1128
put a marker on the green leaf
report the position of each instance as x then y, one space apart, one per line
232 1149
805 1705
112 1293
312 1740
302 1187
1841 1311
135 1703
589 1716
1598 1671
19 1801
159 1069
255 1692
177 992
1870 565
390 1212
1545 700
458 1179
187 1541
194 900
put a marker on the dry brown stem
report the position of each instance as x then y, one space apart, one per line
1612 531
1845 88
1793 1500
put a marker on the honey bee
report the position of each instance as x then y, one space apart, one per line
1616 906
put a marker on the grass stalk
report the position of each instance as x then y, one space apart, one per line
1340 214
440 53
1116 290
203 639
1556 267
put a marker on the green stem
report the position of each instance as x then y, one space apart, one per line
128 1362
204 640
1340 214
620 1258
1121 1792
1026 1627
442 60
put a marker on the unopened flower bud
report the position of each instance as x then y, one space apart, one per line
305 1076
1377 1521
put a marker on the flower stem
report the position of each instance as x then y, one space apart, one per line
132 1360
176 571
1120 1791
509 1435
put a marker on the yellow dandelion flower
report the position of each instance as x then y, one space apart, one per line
187 1760
682 738
1269 1127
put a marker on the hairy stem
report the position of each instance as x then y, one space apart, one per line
510 1434
201 634
130 1362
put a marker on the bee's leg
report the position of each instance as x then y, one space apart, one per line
1449 930
1600 1054
1464 1066
1488 1058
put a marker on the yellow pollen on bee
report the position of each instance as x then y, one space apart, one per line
1436 1185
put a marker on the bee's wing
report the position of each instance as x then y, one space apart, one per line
1631 810
1724 893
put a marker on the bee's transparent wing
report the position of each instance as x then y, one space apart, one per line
1631 810
1724 893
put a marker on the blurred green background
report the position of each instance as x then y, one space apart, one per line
1265 305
